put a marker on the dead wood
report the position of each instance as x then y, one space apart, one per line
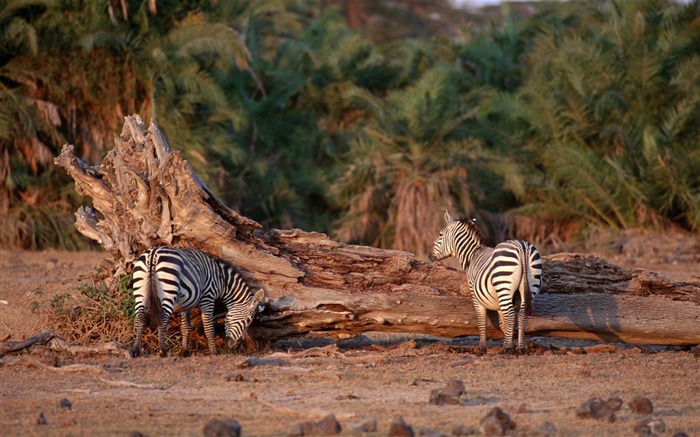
48 338
145 195
41 338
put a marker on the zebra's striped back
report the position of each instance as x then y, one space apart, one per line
500 278
168 280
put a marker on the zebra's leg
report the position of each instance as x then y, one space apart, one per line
140 320
161 331
208 322
522 321
509 322
481 323
185 331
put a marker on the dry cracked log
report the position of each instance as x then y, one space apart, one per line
147 194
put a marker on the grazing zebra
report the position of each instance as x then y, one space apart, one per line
168 280
494 274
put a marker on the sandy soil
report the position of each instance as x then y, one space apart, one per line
373 377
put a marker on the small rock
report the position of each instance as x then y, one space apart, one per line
680 434
496 422
491 426
249 396
137 434
649 427
51 265
222 428
462 430
615 402
448 395
641 405
442 396
235 378
326 426
65 403
363 426
41 420
596 408
547 429
399 428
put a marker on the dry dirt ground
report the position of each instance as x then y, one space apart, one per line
369 378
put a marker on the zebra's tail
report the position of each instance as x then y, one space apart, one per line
155 308
527 297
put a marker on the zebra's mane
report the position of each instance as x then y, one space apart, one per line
471 226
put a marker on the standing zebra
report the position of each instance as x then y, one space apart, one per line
494 274
168 279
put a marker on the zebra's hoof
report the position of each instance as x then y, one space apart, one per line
508 351
480 351
135 352
184 353
163 353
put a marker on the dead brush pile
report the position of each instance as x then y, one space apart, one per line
99 314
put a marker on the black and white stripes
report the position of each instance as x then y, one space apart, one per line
494 274
168 280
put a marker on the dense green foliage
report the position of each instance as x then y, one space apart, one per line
585 114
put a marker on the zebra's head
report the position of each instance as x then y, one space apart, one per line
451 235
237 329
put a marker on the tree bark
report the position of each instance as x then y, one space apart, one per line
148 195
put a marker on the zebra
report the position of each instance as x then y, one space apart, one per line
494 275
167 280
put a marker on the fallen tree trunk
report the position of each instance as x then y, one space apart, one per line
148 195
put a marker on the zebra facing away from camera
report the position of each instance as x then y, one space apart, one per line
168 280
495 275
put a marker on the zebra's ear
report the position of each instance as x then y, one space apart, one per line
448 218
258 297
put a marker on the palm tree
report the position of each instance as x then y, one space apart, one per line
28 124
616 115
412 160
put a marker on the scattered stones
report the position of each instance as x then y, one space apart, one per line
399 428
65 403
596 408
448 395
222 428
41 420
496 423
363 426
462 430
640 405
649 427
326 426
